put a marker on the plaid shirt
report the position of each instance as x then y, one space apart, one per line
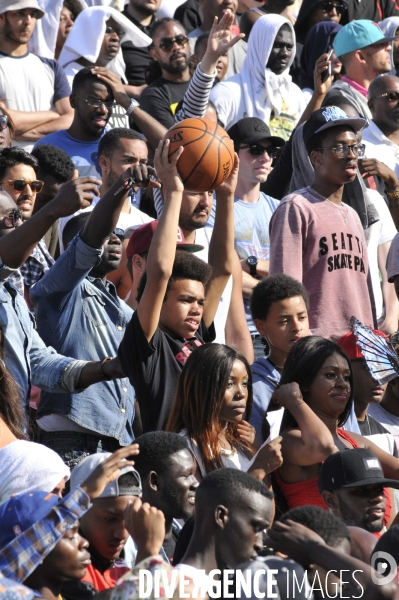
25 553
33 268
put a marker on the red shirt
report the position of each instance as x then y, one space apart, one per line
106 580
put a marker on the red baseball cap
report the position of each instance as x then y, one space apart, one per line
349 343
141 238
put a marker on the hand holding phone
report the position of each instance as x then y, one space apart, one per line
327 73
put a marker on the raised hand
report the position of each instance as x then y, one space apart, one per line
321 66
229 185
167 170
115 83
146 525
75 195
287 395
108 471
269 457
248 436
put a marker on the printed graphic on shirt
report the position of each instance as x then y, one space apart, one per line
283 125
344 251
186 350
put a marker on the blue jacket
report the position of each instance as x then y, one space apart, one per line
265 380
85 319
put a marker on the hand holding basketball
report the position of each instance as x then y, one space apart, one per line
208 153
166 170
228 186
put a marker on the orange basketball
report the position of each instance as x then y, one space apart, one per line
208 155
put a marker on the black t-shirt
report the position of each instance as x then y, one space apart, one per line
374 10
136 59
154 367
161 98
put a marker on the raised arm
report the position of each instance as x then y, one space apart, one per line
73 196
106 213
221 247
162 251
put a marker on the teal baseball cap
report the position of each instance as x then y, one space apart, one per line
358 34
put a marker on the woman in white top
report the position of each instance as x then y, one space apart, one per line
213 397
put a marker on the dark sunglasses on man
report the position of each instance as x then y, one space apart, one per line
391 96
258 150
20 184
119 233
167 44
328 6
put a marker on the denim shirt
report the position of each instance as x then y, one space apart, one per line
85 319
25 354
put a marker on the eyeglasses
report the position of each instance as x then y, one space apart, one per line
342 150
166 44
258 150
11 220
119 233
328 6
96 102
3 122
391 96
20 184
119 32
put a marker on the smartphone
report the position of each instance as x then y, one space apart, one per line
326 74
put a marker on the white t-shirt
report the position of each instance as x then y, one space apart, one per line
203 237
381 232
380 147
388 420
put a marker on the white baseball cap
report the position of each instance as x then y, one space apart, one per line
6 5
129 486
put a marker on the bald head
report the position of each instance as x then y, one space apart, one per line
7 205
385 108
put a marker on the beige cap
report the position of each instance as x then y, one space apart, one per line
6 5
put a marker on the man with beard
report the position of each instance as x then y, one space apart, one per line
167 470
171 50
352 485
78 309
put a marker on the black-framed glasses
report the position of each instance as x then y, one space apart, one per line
3 122
11 220
327 6
258 150
167 44
391 96
96 102
120 233
20 184
119 32
342 150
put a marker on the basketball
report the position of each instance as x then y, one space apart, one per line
208 155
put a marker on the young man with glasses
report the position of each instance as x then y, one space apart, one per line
78 311
316 238
18 177
171 50
256 149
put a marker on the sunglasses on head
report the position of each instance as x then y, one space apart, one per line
3 122
391 96
167 44
119 233
11 220
20 184
327 6
258 150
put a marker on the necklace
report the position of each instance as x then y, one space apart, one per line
344 216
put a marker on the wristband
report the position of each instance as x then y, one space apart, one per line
100 369
131 107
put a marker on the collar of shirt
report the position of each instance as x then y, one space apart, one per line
143 28
359 88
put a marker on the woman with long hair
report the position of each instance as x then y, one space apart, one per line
316 389
211 409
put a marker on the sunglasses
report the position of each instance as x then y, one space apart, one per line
119 233
20 184
258 150
391 96
3 122
167 44
327 6
96 102
11 220
119 32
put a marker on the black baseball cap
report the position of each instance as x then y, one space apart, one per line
251 130
330 116
352 468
